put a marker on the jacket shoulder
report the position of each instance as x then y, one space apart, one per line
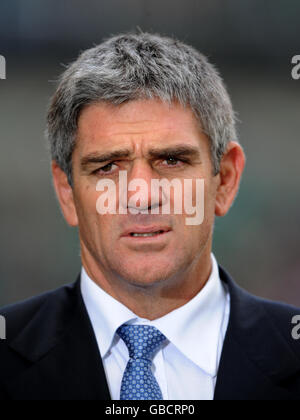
27 323
18 315
285 319
281 314
271 323
280 310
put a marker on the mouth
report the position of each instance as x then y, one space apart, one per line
147 233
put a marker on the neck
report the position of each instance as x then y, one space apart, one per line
153 301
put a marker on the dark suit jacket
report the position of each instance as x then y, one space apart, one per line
51 352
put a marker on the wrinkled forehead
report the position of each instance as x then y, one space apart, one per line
138 124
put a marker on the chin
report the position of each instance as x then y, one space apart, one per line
144 275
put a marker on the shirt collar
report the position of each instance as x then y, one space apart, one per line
105 312
193 328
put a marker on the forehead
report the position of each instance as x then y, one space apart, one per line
143 121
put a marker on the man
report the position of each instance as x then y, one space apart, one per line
152 316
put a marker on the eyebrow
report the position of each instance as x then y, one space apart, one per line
104 157
155 153
176 151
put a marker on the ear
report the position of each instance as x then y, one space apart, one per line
64 194
231 169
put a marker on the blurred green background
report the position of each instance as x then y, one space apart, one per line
252 42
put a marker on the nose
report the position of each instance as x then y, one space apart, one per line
140 197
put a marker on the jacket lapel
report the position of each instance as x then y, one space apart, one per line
66 349
256 360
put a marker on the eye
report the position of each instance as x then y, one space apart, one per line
172 161
105 169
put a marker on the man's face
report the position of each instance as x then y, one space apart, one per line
145 129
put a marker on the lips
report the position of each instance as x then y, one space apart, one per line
142 231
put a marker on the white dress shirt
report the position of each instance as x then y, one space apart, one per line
186 366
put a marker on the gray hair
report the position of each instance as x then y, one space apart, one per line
133 66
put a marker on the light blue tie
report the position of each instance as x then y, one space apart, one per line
138 382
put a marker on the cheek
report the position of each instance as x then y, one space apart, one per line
210 195
85 201
198 234
201 194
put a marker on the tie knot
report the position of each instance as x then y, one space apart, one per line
142 340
